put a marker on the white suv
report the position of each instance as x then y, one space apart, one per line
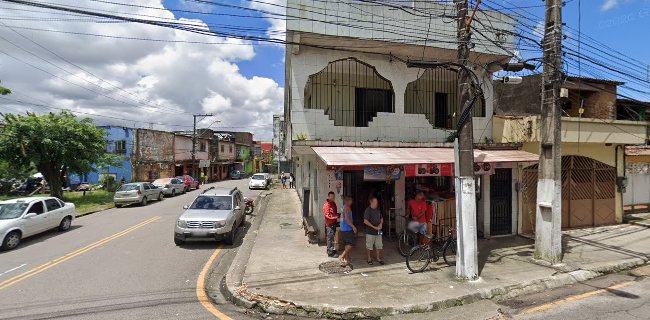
21 218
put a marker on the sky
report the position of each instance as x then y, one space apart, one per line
143 83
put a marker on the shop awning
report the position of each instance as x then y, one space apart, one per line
358 156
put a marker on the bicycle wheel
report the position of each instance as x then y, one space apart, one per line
405 243
419 258
449 253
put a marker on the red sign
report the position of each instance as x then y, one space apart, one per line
430 170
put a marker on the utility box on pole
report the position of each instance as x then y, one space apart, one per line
548 227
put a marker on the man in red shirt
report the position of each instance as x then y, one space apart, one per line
418 211
331 214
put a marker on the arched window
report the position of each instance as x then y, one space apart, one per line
350 92
435 94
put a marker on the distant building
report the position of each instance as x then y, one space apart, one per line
183 155
153 155
279 144
119 141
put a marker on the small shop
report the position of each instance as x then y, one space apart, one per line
395 175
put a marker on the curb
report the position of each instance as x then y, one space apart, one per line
235 274
234 291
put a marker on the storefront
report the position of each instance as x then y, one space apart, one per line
393 175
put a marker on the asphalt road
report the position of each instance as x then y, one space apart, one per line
116 264
615 296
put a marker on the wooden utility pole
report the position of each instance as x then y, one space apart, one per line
548 225
194 143
467 259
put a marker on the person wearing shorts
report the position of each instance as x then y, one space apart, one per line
348 230
418 212
374 221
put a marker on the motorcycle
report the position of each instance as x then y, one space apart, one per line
250 205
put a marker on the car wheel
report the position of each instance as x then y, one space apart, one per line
11 241
160 196
144 201
118 205
65 224
179 242
173 193
230 237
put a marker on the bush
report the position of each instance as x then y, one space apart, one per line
109 183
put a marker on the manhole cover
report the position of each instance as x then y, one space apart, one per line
332 267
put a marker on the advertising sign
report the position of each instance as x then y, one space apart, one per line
381 173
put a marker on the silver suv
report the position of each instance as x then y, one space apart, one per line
214 215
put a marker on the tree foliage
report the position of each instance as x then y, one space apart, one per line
53 143
4 91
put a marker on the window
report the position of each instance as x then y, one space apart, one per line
52 204
153 175
222 148
370 101
120 147
146 186
442 119
230 148
202 147
37 208
129 187
212 203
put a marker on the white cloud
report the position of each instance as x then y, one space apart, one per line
277 10
159 77
608 5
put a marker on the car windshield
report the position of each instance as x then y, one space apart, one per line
256 177
162 181
128 187
11 210
212 203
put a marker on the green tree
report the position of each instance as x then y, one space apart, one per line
53 143
4 91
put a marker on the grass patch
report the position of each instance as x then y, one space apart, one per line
93 201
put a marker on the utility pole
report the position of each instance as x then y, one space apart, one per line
548 225
194 142
467 258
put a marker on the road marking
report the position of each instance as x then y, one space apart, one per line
13 269
574 298
200 288
9 282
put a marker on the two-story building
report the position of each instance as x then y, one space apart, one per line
593 147
183 155
153 154
360 122
225 155
119 141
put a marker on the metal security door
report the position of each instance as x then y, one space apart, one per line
501 202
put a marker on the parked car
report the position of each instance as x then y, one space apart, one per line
170 186
25 217
84 186
190 183
258 181
137 192
237 174
214 215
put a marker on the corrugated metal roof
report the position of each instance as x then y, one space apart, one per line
356 156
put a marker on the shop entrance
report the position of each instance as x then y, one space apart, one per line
501 202
361 190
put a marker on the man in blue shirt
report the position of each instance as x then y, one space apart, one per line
348 230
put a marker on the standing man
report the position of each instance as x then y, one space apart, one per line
331 214
348 230
374 222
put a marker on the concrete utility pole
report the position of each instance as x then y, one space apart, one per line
466 255
548 225
194 142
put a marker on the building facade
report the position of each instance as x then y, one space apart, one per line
153 155
119 141
183 155
280 151
593 144
363 123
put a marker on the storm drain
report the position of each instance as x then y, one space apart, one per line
334 267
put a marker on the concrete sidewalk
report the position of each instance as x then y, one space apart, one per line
283 274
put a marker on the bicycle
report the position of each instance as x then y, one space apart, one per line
407 239
420 256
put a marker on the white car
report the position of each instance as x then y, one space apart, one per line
170 186
24 217
258 181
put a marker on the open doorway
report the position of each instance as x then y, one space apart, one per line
361 190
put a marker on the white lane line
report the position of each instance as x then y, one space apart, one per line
13 269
